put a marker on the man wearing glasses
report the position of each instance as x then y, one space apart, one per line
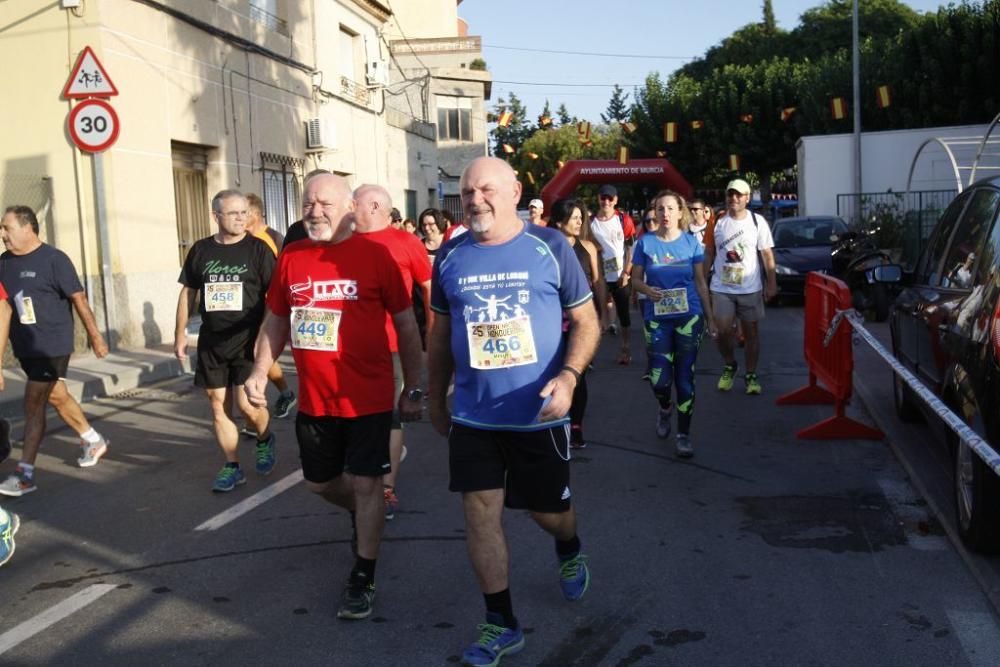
231 271
700 215
742 240
615 232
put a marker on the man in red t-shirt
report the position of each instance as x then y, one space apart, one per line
331 295
372 211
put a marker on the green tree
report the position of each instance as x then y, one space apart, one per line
770 25
618 108
562 144
563 114
546 113
515 132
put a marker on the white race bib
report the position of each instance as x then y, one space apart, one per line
501 344
611 265
315 329
223 297
732 274
673 302
25 309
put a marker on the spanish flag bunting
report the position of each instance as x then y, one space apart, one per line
838 107
787 113
734 162
661 153
544 121
583 129
622 155
505 118
533 156
560 164
697 124
628 127
670 132
531 177
746 118
508 149
586 142
882 94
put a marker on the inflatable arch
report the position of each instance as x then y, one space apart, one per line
575 172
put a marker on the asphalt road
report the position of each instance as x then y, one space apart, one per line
763 550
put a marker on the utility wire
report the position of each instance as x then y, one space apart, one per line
584 85
587 53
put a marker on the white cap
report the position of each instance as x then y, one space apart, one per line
537 203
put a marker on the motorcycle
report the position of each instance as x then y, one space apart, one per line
863 266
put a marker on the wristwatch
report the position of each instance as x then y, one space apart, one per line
415 395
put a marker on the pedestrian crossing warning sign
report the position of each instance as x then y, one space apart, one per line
88 78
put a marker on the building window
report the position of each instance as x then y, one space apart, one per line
281 191
191 198
265 12
411 204
350 53
454 118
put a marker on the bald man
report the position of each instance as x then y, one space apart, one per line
373 218
498 294
332 297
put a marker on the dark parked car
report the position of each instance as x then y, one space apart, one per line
802 245
946 329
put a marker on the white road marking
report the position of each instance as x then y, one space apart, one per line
977 632
259 498
52 615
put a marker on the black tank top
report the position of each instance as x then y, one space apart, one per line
584 257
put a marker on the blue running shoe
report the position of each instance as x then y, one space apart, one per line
574 577
265 456
9 523
495 641
228 479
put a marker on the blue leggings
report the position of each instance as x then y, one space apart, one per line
673 350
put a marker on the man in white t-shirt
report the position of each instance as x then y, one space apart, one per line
535 208
738 288
614 231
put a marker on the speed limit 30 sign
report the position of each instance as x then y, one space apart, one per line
93 125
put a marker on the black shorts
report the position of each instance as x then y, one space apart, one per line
224 360
45 369
620 295
532 467
329 446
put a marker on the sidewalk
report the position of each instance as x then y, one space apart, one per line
90 377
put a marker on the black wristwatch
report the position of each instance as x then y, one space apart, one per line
415 395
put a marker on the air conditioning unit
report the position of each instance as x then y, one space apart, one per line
377 73
319 134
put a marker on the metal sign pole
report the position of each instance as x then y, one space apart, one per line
856 57
107 279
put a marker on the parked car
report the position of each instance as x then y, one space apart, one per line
801 245
945 327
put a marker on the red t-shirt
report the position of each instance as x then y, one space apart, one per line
337 296
3 293
411 256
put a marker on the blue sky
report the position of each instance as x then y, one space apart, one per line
666 33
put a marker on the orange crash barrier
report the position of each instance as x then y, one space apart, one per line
830 362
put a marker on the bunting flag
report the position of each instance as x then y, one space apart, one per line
531 177
787 113
583 130
746 118
560 164
882 94
661 153
587 142
734 162
697 124
505 118
670 132
508 149
622 155
838 107
628 127
544 121
533 156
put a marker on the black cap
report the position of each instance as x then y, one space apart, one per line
394 215
607 190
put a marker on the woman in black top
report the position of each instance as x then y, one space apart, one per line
573 220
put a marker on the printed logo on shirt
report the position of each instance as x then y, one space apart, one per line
27 274
308 293
218 272
565 494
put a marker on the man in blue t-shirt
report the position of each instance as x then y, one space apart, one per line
43 290
499 294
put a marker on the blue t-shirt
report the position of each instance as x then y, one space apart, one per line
38 286
506 303
670 265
